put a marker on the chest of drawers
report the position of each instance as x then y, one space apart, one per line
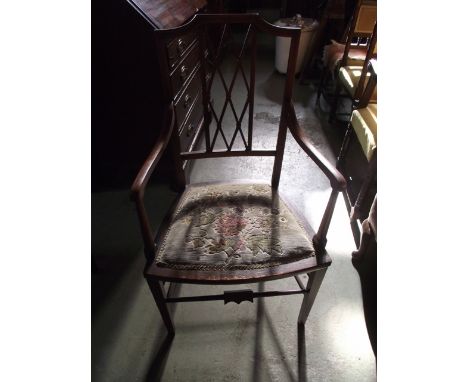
179 65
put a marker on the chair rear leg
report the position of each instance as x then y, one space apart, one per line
321 85
364 192
344 147
313 286
334 102
158 295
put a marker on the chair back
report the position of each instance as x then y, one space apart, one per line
360 28
227 56
364 80
369 88
366 18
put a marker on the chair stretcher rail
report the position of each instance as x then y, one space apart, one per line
236 296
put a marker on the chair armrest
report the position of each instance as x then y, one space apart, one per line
139 185
337 181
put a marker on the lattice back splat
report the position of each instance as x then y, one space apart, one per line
228 44
218 60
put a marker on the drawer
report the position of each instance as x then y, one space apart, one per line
177 47
187 132
187 98
184 69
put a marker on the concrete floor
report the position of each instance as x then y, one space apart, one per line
246 342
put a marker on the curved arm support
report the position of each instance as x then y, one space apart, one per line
139 185
337 180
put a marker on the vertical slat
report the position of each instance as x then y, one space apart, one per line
203 71
253 59
362 80
293 51
279 152
146 229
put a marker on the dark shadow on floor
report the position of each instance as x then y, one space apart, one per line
156 369
301 354
107 273
264 318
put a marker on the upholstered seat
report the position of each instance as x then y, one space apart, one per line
364 122
350 76
224 227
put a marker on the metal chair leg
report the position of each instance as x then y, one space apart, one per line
158 295
313 286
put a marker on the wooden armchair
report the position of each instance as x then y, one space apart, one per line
347 62
240 232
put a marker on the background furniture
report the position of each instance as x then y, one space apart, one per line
330 18
363 125
130 86
365 262
242 232
347 63
353 78
179 65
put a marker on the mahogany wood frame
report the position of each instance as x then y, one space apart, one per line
316 266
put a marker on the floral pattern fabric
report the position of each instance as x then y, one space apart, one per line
225 227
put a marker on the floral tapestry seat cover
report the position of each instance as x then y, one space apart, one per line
225 227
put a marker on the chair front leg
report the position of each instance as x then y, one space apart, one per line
320 238
158 295
313 286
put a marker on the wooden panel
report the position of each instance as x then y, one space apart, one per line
166 14
187 98
177 47
366 19
184 70
190 126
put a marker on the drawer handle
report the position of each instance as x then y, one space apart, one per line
183 72
187 100
180 45
190 129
